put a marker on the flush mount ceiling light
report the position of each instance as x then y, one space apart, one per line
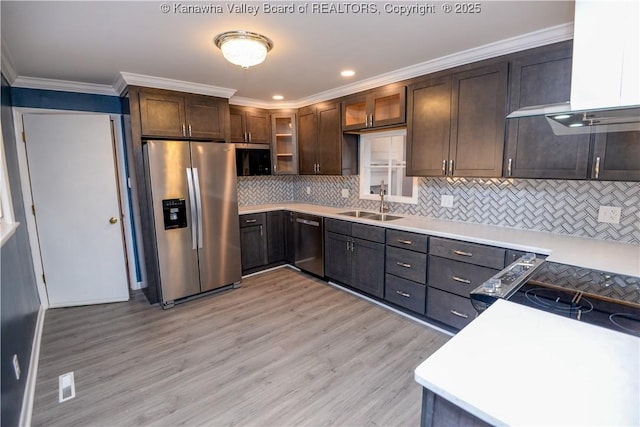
243 48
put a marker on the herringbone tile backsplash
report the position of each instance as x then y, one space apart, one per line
558 206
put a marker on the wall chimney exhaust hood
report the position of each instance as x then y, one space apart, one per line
605 88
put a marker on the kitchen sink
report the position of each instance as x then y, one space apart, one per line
357 214
382 217
370 215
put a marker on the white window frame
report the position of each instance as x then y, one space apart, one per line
365 167
7 220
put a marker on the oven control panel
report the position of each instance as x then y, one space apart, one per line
505 282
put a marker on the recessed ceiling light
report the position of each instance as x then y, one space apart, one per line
347 73
278 97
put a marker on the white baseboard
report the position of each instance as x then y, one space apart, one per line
30 387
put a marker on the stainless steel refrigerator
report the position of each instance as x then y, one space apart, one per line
191 187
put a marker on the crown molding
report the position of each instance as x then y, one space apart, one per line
274 105
7 67
64 85
125 79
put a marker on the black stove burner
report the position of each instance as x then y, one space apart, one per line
557 301
627 322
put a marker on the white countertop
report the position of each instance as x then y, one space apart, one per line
622 258
516 365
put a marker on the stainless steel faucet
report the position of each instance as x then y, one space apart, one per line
383 207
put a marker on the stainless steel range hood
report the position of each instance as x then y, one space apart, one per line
605 88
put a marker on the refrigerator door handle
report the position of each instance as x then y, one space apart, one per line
192 205
196 186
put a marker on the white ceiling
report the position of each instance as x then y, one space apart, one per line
92 42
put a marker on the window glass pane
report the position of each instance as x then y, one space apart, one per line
382 159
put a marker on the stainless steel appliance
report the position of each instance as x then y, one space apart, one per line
253 159
191 188
597 297
308 232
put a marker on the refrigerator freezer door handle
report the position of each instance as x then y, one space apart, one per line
192 206
196 186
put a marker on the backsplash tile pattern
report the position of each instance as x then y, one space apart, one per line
558 206
259 190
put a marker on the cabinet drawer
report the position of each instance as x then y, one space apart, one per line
249 220
407 264
337 226
368 232
487 256
455 276
406 240
449 309
405 293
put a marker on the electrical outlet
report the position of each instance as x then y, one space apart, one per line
16 366
308 190
446 200
609 214
66 387
345 193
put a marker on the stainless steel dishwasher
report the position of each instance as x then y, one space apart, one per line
308 233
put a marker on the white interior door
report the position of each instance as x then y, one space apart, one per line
75 194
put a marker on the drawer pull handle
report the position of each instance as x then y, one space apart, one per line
250 221
404 242
404 294
457 313
461 253
402 264
461 280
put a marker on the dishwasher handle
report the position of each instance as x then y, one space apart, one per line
308 222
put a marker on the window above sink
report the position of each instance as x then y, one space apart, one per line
382 158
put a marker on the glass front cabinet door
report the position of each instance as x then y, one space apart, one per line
284 148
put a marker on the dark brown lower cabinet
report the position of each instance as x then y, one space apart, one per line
354 255
438 411
275 236
253 246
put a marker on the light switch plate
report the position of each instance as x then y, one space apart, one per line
345 193
446 200
609 214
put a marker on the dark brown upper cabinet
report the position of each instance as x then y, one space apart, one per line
322 148
616 156
533 150
381 108
167 114
428 127
251 125
456 123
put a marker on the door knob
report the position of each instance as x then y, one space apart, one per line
113 220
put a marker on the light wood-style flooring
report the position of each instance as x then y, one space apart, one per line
285 349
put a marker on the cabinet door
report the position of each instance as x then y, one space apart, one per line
368 267
258 126
388 107
253 246
205 117
428 123
284 148
162 115
307 139
275 236
355 114
237 124
616 156
337 258
329 144
479 107
290 239
533 151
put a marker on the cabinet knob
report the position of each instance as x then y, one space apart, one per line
113 220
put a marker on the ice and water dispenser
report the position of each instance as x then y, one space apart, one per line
175 213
